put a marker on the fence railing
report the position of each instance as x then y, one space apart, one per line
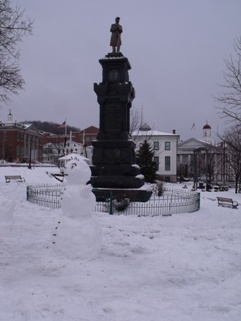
172 202
45 195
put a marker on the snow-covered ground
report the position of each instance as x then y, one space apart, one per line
184 267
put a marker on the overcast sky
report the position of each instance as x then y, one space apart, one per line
176 49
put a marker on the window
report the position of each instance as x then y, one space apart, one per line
167 163
167 145
156 159
156 145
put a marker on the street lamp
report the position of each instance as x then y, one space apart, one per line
223 164
4 135
30 153
195 168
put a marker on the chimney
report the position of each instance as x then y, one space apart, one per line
174 131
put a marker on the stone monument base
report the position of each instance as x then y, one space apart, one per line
134 195
113 165
116 181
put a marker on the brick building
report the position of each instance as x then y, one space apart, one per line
24 143
85 136
19 142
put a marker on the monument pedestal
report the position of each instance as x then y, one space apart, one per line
134 195
114 153
114 165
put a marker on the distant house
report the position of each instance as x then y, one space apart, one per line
165 149
50 153
86 135
70 147
80 142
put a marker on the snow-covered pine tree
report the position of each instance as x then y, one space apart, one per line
144 158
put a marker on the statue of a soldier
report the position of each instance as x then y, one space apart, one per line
115 40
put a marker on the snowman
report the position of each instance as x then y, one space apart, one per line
78 234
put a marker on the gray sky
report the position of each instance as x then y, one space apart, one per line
176 49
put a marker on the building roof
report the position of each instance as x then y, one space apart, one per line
145 127
192 143
206 126
151 133
89 130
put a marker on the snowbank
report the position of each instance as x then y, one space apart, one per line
182 267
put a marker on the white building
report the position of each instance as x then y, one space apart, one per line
203 157
185 155
71 147
52 152
165 148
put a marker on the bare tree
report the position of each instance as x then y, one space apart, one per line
136 120
212 162
229 99
139 130
13 28
232 140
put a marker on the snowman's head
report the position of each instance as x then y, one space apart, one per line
78 172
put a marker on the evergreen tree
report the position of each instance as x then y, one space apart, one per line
144 158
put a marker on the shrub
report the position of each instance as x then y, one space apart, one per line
121 205
158 188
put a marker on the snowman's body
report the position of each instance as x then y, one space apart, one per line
78 235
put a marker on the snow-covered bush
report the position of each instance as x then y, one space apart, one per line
158 188
121 205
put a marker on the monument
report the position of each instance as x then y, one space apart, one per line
114 167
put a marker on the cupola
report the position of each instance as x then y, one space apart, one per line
10 117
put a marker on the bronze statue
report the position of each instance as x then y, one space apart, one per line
115 40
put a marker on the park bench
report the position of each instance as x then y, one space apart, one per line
223 188
224 201
9 178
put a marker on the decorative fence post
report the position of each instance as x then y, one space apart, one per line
111 204
198 197
27 193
